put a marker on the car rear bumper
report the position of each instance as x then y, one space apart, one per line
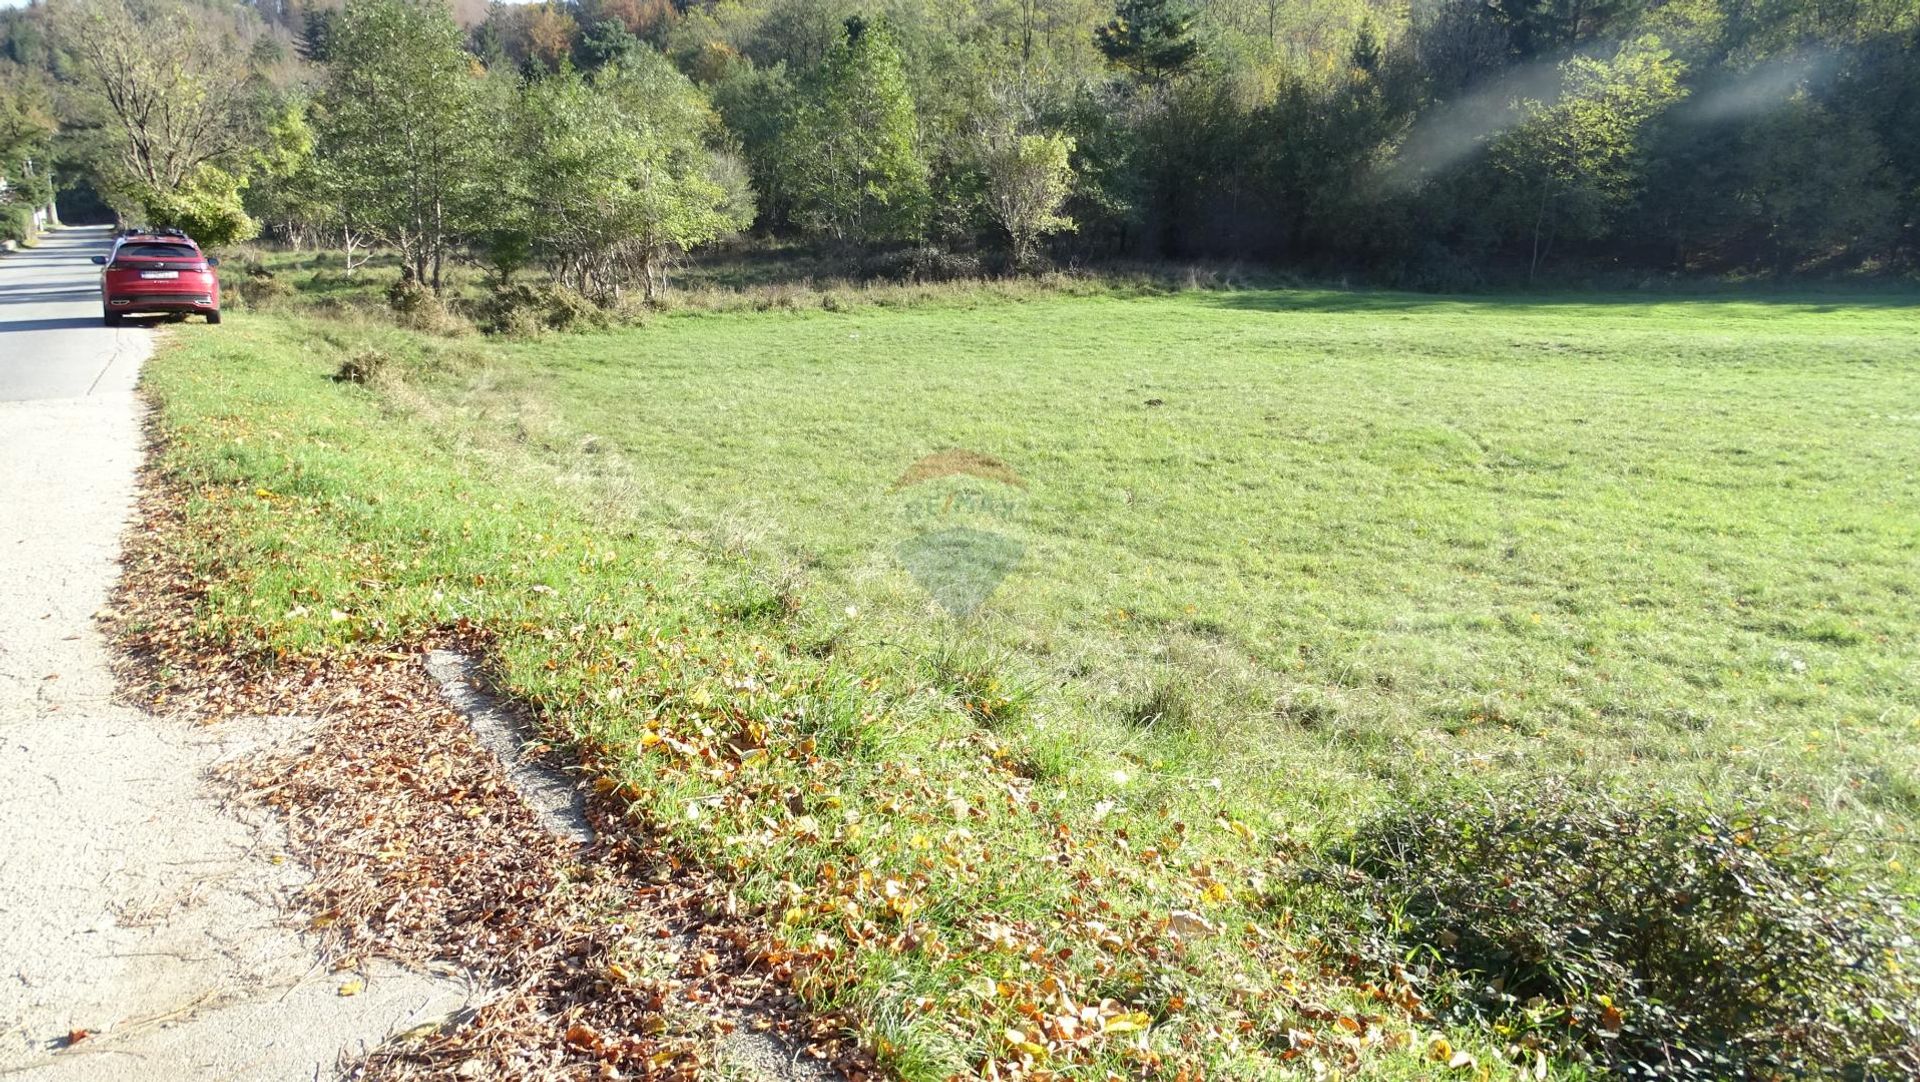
161 302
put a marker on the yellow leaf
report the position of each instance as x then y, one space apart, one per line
1126 1023
353 987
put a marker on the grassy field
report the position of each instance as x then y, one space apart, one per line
1190 584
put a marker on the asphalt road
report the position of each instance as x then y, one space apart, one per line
52 344
133 906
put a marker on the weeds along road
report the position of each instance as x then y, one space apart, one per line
139 917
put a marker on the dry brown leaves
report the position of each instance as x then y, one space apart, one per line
616 961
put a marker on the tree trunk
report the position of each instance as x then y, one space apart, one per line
439 240
1539 222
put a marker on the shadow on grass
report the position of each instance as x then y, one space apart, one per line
756 266
1801 301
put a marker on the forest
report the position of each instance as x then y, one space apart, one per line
1437 145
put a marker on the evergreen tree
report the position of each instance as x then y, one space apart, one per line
1542 28
316 35
1151 38
603 43
1367 51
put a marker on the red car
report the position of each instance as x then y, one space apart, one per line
157 272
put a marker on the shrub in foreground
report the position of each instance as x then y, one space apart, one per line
1658 938
257 291
523 310
416 307
922 264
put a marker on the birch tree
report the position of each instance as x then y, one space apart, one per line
401 128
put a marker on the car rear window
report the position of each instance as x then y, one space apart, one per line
156 251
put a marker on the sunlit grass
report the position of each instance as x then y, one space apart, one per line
1278 554
1358 533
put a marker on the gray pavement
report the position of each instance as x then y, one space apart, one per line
135 909
52 343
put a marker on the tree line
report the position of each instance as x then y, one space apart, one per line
1440 144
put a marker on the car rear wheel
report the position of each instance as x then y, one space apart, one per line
110 319
213 317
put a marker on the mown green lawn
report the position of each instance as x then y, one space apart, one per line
1360 538
1271 559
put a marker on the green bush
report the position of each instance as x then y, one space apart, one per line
208 207
16 223
1656 937
1436 268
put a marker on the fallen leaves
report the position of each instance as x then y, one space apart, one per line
421 852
